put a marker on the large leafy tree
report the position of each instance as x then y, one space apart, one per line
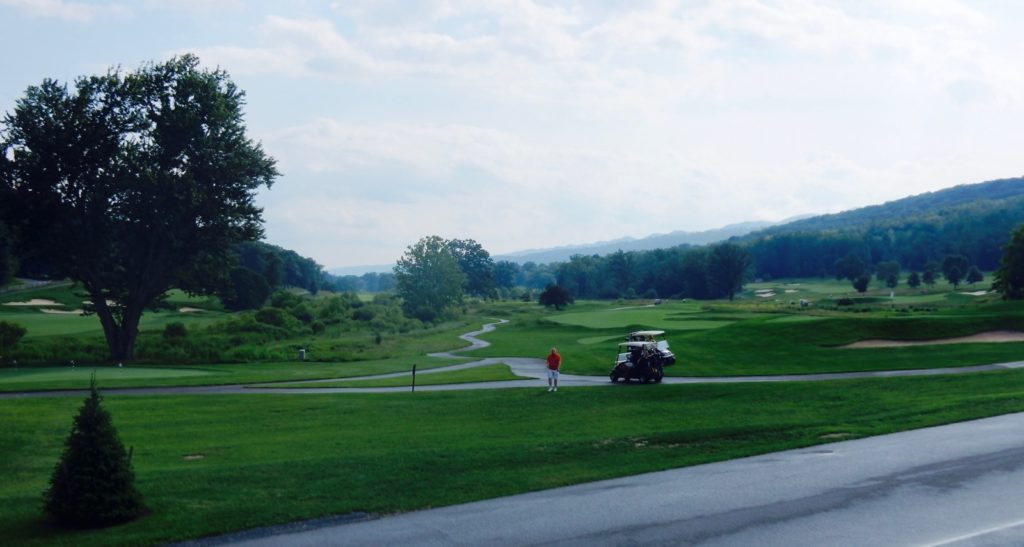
849 267
134 183
1009 278
727 266
931 268
954 268
8 262
885 270
477 265
505 273
974 275
428 279
555 295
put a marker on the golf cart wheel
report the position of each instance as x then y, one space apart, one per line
614 378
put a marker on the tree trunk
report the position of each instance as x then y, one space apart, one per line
120 335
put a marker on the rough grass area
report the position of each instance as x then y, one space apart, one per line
487 373
51 378
214 464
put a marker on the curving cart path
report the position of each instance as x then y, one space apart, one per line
531 368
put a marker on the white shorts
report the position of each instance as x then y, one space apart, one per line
552 374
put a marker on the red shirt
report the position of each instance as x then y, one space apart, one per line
554 361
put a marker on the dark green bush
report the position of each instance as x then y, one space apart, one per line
10 333
302 312
363 314
175 331
273 316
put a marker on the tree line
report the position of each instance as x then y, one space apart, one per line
976 231
435 275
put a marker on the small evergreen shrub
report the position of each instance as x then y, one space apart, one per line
93 485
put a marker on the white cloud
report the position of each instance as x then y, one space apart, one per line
524 124
80 12
548 192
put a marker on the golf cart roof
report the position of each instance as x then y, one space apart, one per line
647 333
636 344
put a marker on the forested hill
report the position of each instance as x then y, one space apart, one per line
973 220
981 196
655 241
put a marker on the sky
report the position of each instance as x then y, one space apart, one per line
527 124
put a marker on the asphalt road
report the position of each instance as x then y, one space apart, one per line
955 485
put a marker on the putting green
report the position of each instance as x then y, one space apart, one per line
51 374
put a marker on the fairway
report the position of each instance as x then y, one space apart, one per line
209 464
487 373
81 375
41 324
638 316
56 378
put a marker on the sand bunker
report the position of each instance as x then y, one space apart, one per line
190 310
35 302
62 312
996 336
977 293
790 291
765 294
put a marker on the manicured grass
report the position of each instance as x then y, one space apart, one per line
263 459
79 376
486 373
789 342
622 317
65 294
51 378
828 290
41 324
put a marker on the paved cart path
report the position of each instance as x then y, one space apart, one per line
534 369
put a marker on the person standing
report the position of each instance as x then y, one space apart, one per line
554 366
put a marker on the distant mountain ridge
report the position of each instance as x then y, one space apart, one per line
992 194
655 241
998 203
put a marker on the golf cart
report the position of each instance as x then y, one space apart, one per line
642 357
